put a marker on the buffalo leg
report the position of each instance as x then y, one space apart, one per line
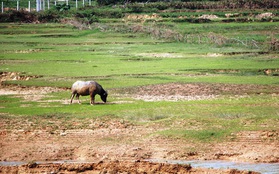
72 97
92 99
77 97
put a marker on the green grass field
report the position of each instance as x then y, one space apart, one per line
59 55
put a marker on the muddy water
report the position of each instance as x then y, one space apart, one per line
264 168
11 163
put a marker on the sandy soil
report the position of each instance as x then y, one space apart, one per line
121 147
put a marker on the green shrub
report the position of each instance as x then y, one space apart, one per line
109 2
100 12
49 16
192 20
158 5
85 13
135 7
18 16
88 20
62 7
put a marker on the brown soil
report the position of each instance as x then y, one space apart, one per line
114 167
122 147
4 76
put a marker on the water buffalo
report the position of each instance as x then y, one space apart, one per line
88 88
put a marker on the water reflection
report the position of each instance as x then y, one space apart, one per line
264 168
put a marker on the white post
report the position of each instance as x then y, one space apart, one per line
29 6
67 2
83 3
48 4
2 7
90 2
44 5
76 4
39 5
17 5
55 3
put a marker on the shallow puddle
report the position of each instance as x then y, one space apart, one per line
11 163
264 168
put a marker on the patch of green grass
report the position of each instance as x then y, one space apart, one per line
197 135
7 100
217 120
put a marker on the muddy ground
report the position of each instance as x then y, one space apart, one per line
115 167
117 146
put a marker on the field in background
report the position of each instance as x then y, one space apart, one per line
58 54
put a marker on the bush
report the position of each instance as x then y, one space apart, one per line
29 17
192 20
158 5
49 16
110 2
88 20
84 13
135 7
62 7
18 16
109 13
100 12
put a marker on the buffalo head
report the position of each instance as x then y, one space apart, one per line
104 96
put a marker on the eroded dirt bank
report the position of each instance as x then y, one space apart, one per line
115 167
